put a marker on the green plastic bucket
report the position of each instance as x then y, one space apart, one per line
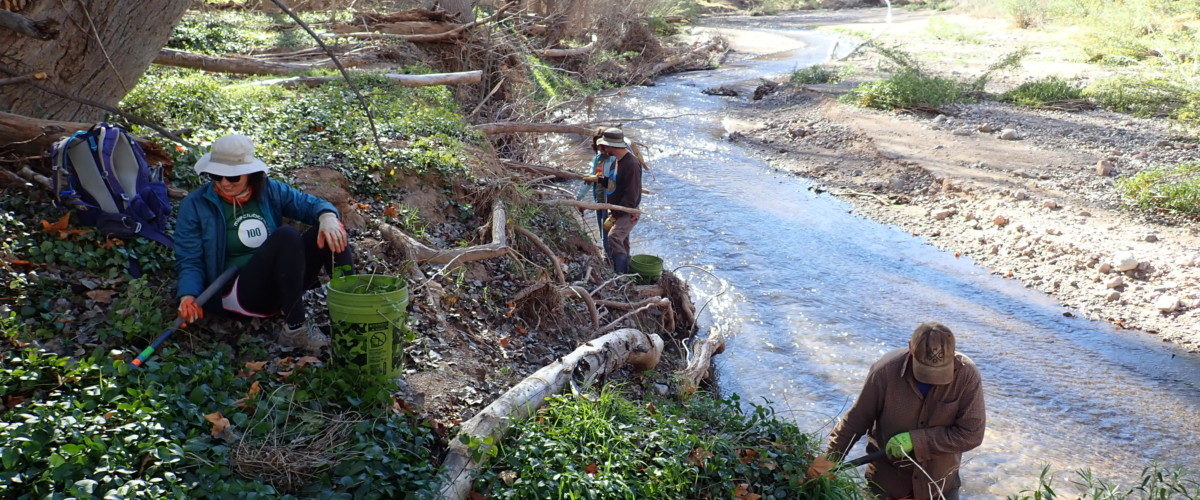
368 312
647 267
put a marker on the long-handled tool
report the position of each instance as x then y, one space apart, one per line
863 460
204 296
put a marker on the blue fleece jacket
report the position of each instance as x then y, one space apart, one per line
200 229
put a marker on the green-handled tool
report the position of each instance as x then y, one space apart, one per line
203 298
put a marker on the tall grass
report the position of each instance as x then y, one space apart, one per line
1174 188
1156 483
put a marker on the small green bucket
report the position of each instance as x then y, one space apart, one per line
368 312
647 267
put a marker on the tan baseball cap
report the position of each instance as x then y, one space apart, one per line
932 349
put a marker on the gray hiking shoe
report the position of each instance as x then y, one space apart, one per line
308 337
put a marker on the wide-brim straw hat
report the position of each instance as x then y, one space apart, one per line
231 155
613 137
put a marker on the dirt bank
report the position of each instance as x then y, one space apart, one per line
1036 208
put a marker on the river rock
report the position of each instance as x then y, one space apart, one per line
897 184
1050 204
1104 267
943 214
1021 195
961 131
1106 167
1115 282
1151 237
1009 134
1167 303
987 128
1124 261
1113 296
1000 220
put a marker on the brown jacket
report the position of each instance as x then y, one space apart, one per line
944 424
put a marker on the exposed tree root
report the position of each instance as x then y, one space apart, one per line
424 253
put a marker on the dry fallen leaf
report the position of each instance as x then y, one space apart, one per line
390 211
220 424
509 477
101 296
111 242
255 388
504 342
699 455
820 466
742 492
306 360
255 365
522 330
650 408
285 374
747 455
60 228
591 468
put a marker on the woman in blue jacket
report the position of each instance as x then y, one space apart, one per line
236 220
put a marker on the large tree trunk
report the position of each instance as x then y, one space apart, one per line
102 48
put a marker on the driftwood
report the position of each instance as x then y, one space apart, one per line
580 367
562 53
699 362
44 30
421 252
25 135
543 170
582 294
251 66
430 37
405 80
554 261
591 205
498 128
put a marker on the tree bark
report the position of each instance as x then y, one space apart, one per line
100 64
249 66
460 9
583 365
699 362
41 30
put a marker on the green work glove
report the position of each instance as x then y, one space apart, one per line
899 445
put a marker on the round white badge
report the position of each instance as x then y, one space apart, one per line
252 231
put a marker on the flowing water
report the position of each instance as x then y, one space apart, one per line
814 294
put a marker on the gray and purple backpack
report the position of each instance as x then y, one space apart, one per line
102 172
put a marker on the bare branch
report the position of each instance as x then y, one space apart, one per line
44 30
590 205
405 80
247 65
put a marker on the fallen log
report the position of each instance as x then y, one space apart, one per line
699 362
34 136
421 252
542 170
563 53
662 302
498 128
580 367
251 66
405 80
591 205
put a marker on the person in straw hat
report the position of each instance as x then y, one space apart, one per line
236 219
924 406
624 189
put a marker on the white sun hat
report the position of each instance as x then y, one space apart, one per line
230 155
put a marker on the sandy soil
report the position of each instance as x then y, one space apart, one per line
1035 208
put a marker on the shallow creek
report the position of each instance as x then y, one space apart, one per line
814 294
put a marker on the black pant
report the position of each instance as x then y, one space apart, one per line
286 265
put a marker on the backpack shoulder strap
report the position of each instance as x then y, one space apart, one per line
84 161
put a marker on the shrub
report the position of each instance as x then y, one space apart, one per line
816 74
1043 92
906 90
1141 96
1166 188
608 446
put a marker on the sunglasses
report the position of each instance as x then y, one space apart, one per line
230 178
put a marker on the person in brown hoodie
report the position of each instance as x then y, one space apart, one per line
924 406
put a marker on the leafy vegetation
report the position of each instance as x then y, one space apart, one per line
1156 483
94 426
1175 188
1043 92
817 74
1142 96
608 446
911 86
